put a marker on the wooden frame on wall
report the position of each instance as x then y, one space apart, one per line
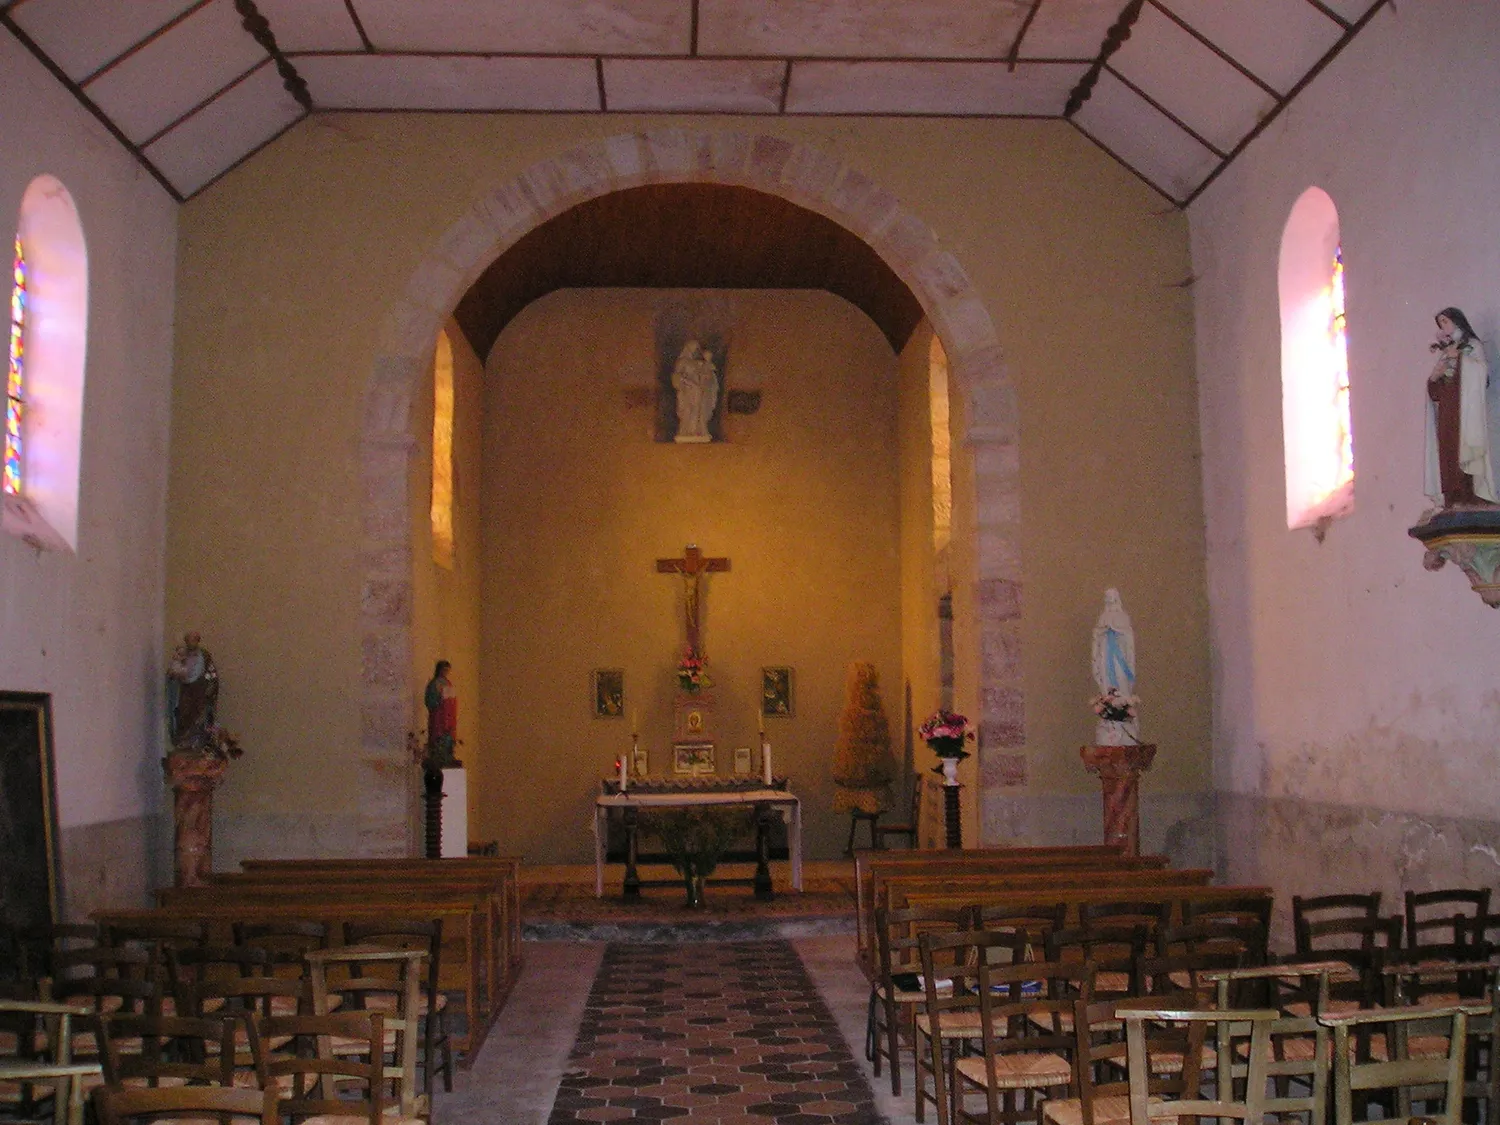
776 692
30 868
608 686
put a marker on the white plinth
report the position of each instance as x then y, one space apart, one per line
455 813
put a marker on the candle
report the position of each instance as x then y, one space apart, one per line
765 761
623 774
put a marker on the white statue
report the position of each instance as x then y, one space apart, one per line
696 381
1114 672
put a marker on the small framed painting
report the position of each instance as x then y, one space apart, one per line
776 692
742 761
694 758
609 693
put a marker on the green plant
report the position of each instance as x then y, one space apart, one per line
697 839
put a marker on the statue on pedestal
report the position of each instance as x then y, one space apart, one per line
199 755
696 381
442 717
1458 469
1114 674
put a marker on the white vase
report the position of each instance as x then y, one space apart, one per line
1108 732
950 771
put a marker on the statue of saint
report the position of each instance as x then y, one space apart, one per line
696 381
1114 647
442 716
192 693
1458 471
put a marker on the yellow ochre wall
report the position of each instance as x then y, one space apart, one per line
288 265
579 502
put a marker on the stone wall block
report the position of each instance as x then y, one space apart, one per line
999 599
435 285
905 241
999 654
999 551
388 560
967 324
769 159
1002 771
385 601
998 503
668 151
470 243
940 275
1004 720
408 330
626 155
811 174
980 364
993 405
586 170
510 211
997 460
724 155
383 726
383 661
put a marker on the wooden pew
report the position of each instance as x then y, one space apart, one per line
505 871
1176 895
868 864
464 965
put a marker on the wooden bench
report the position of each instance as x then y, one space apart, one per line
505 871
466 960
1176 895
869 865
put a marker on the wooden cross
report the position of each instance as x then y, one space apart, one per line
692 566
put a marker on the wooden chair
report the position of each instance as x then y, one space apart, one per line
160 933
1037 921
1231 1027
356 974
1316 908
168 1050
121 1106
53 1065
128 981
1115 952
895 991
1026 1016
1247 939
950 1019
1401 1072
1365 944
1431 932
427 936
318 1081
287 940
910 826
191 966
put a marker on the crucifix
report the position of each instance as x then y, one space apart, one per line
692 566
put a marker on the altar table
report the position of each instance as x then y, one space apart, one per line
633 801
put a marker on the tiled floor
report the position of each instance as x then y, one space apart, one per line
798 1026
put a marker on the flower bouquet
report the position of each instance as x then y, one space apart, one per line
692 672
946 733
1112 707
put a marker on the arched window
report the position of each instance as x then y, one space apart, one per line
48 344
442 452
1315 416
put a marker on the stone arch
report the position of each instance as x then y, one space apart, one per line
802 174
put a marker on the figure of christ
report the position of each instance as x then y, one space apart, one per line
692 566
442 713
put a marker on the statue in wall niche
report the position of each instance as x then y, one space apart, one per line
696 381
1458 473
192 693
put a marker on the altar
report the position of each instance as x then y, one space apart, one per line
769 802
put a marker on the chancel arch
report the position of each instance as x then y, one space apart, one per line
986 550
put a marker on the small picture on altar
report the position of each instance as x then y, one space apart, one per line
776 692
695 758
742 766
609 693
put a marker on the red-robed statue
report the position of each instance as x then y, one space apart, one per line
442 716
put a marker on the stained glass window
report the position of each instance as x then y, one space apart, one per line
16 369
442 453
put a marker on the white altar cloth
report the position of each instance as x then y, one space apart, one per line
787 804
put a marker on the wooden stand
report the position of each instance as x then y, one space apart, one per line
193 778
1119 769
432 801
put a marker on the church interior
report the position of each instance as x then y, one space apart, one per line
570 344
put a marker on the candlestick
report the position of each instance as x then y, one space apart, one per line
765 762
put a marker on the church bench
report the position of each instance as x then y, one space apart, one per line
338 895
465 966
1118 882
504 870
869 864
504 924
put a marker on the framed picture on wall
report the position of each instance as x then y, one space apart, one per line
30 892
776 692
609 693
742 761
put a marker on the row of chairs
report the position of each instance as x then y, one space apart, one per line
1037 1041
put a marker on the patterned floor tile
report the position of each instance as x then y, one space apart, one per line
731 1032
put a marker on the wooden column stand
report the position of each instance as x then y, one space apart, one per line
432 801
951 815
1119 769
193 778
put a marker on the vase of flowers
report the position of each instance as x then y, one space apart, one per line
1117 725
946 732
692 673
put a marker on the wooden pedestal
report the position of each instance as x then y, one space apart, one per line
1119 769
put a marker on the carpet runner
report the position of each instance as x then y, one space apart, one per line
732 1033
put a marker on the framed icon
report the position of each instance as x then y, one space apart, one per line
609 693
776 692
696 758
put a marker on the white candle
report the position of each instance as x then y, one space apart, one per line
623 773
765 761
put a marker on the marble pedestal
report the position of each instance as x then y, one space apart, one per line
1119 769
193 779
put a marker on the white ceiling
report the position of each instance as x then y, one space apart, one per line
192 88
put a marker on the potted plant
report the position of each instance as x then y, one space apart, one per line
697 839
946 732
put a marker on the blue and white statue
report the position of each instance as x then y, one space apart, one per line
1114 673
